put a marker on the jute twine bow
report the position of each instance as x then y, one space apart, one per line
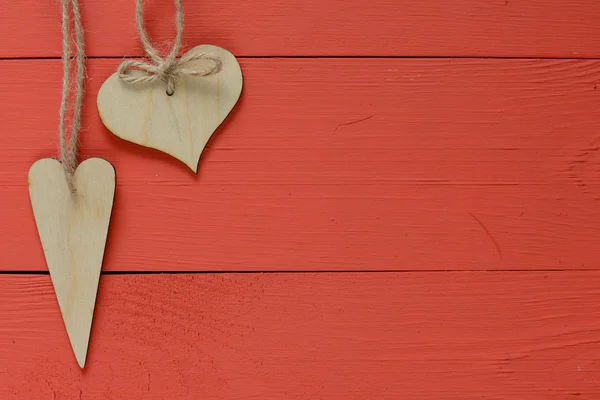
68 149
168 68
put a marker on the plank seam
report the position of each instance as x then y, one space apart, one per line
343 271
467 57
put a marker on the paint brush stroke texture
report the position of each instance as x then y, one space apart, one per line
293 336
341 164
451 28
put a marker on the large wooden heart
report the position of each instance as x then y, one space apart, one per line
181 124
73 227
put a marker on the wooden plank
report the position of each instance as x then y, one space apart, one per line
493 28
441 336
340 164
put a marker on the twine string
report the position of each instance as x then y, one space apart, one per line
167 68
68 147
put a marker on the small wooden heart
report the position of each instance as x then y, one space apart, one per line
180 124
73 227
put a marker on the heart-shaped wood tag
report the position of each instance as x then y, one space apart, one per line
73 229
180 124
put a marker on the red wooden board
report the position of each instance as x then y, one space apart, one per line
356 336
436 169
500 28
345 164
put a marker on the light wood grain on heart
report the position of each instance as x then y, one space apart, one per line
73 228
180 124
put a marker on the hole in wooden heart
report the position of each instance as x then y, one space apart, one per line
179 127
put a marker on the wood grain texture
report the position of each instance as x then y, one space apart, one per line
442 336
73 227
341 164
179 124
505 28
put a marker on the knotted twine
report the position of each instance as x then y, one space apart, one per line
166 68
68 149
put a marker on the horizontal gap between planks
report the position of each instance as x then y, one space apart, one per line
343 271
424 57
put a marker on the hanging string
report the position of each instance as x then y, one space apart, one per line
166 68
68 149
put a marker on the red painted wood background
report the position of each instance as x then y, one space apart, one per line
404 205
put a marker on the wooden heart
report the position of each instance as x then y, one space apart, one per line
181 124
73 229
